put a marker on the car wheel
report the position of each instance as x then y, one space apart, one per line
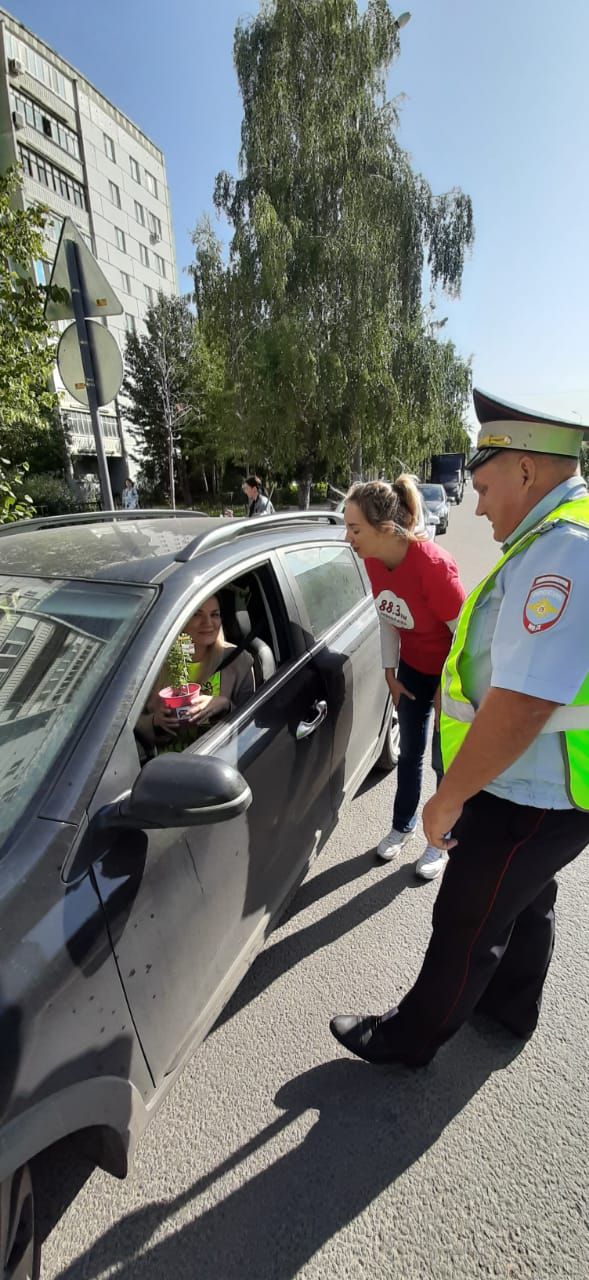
389 756
20 1251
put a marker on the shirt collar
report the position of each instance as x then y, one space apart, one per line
574 487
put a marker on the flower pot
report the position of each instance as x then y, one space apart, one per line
180 700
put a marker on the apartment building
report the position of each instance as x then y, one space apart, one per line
84 159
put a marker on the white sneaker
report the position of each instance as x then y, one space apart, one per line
392 843
431 863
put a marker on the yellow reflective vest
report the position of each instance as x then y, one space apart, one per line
571 722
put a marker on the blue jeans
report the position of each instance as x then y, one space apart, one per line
414 718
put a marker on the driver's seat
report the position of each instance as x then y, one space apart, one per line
237 626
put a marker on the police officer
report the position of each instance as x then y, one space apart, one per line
513 806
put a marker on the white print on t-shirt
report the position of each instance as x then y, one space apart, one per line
393 609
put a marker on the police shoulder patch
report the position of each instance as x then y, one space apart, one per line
546 602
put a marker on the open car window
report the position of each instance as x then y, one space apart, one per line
59 642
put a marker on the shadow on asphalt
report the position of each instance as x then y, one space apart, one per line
279 957
58 1175
372 1124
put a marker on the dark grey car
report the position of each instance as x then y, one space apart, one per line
134 895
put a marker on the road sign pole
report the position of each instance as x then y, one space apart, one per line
89 374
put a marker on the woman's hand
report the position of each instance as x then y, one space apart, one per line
396 687
203 706
164 718
437 708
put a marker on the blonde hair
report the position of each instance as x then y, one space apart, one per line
393 507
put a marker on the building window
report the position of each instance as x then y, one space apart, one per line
155 226
130 324
52 229
144 254
120 239
40 68
109 147
115 194
41 170
149 295
160 265
140 213
44 122
151 183
78 423
126 281
135 171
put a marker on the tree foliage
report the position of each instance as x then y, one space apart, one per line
333 233
27 347
156 385
14 505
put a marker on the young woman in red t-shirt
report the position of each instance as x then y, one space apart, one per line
418 596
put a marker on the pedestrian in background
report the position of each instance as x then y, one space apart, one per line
258 501
418 596
130 496
515 743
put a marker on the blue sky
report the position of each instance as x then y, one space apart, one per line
496 101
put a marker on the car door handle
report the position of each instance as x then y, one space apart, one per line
307 727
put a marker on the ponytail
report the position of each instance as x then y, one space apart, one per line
396 506
408 492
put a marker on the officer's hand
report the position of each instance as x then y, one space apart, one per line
438 820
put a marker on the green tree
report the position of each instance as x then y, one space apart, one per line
13 504
29 426
332 235
214 432
156 384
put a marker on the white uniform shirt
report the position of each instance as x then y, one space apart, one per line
530 634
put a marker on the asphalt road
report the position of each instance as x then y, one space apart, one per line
277 1155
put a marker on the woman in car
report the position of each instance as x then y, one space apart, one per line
418 596
225 683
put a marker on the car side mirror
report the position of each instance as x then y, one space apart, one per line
171 791
182 791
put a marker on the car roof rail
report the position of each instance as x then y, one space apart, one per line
233 529
94 517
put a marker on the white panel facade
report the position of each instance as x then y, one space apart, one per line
84 159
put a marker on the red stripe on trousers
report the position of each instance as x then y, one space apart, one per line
509 859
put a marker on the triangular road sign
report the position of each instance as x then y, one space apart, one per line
98 295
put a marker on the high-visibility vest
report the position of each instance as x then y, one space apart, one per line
570 722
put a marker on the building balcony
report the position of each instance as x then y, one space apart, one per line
80 436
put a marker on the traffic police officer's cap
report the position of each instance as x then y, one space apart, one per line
508 426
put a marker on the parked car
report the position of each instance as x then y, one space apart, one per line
134 895
436 501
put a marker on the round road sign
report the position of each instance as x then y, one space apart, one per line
106 358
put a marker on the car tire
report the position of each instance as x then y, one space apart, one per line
20 1248
389 756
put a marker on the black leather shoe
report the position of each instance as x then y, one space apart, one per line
363 1035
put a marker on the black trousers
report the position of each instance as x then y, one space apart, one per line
493 924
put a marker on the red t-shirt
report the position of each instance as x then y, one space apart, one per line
419 597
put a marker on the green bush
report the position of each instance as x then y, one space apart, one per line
51 495
13 504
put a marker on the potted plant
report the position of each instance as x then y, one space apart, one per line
180 692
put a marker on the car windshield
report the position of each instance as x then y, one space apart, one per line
59 642
433 492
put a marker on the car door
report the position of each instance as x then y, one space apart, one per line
189 910
334 597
